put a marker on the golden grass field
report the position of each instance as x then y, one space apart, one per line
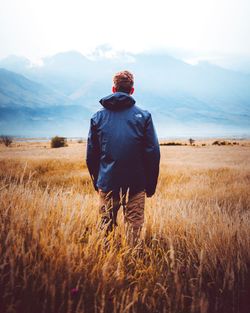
195 249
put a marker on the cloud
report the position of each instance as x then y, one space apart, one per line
36 28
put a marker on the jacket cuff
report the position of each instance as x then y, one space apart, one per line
150 192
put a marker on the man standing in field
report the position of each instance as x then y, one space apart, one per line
123 157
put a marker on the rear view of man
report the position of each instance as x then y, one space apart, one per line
123 157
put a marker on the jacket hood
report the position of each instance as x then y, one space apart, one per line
117 101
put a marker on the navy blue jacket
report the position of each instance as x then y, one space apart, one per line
123 149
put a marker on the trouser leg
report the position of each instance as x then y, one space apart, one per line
109 206
134 216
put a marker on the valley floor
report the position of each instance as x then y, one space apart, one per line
194 254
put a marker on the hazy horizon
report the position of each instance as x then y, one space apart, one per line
217 31
198 52
233 62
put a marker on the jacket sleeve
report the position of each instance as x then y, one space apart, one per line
93 153
151 157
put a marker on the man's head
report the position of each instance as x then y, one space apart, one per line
124 82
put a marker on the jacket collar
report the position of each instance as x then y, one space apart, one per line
117 101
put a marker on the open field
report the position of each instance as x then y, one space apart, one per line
195 250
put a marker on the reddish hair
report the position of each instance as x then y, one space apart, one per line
123 81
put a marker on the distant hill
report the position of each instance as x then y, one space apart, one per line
28 108
17 90
184 99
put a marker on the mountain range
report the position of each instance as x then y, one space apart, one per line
58 96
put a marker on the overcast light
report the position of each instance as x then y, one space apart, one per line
35 28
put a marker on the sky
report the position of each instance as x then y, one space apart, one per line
194 28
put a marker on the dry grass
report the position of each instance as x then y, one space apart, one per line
195 254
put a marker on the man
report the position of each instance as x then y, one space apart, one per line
123 157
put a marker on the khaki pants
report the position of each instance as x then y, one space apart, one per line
133 210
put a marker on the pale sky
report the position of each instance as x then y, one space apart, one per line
38 28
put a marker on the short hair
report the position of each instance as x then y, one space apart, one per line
123 81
